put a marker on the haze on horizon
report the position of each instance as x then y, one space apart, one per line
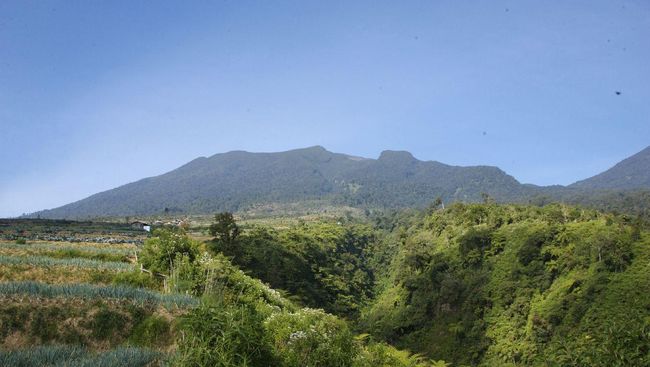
96 95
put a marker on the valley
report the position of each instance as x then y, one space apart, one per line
467 285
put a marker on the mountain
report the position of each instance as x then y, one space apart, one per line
238 180
631 173
241 180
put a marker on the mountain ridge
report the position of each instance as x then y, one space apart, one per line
630 173
237 180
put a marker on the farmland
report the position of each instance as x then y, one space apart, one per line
67 297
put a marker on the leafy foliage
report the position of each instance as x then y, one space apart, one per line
225 231
487 284
165 247
310 338
222 334
320 265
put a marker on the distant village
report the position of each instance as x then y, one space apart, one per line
146 226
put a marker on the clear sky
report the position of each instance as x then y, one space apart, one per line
95 94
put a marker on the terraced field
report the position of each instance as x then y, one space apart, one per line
83 303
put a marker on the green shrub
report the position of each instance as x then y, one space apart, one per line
160 251
106 323
310 338
43 325
154 331
136 279
12 319
21 241
384 355
223 335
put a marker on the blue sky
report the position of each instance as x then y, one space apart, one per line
95 94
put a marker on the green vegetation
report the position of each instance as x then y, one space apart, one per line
469 285
514 285
52 356
72 262
241 181
321 265
136 279
90 292
87 251
243 322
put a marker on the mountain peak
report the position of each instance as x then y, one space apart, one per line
400 156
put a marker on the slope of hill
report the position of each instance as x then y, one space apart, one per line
630 173
512 285
237 180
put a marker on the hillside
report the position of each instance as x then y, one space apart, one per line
74 303
238 181
505 285
630 173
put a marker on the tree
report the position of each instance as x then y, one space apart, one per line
225 232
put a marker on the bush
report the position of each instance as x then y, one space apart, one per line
21 241
136 279
310 338
105 323
153 331
43 325
225 335
160 251
384 355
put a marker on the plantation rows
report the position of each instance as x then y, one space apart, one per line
89 292
59 356
74 262
86 248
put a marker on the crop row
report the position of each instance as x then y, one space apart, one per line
90 292
73 262
85 248
55 356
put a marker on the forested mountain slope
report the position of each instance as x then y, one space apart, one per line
630 173
238 181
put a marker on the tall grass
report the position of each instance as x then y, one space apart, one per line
73 262
89 292
59 356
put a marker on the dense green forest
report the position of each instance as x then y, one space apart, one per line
473 284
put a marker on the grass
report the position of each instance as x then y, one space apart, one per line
90 292
57 275
72 262
93 249
51 356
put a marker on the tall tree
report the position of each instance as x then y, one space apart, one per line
225 231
